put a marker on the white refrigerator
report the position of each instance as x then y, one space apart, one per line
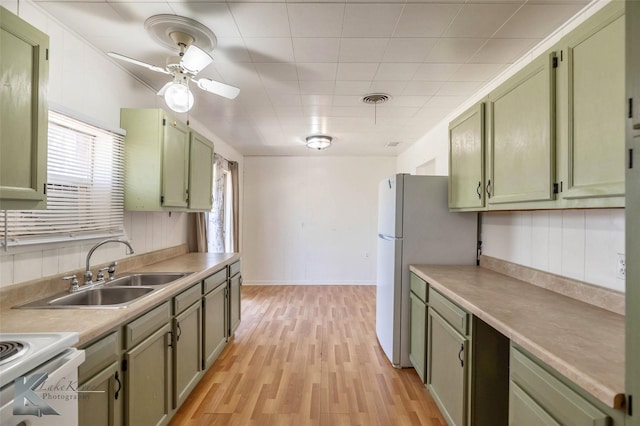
414 227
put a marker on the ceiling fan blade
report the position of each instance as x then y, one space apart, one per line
195 59
137 62
224 90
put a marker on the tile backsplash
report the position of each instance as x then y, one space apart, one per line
146 232
579 244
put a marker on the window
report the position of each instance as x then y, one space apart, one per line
85 187
220 219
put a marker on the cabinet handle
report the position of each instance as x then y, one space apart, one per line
478 190
489 188
460 355
179 331
170 333
119 385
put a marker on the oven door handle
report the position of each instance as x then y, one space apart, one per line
119 386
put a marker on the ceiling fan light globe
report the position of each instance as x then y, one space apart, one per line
178 97
195 59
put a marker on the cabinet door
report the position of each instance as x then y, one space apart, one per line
175 164
466 159
24 70
102 404
418 335
148 380
596 107
524 411
215 324
200 172
235 293
522 136
187 364
447 369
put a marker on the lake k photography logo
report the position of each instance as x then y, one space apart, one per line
26 401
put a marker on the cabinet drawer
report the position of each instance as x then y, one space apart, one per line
186 299
419 287
558 400
138 330
234 268
99 355
454 315
214 280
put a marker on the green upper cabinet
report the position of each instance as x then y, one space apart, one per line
24 73
520 163
167 166
466 159
594 74
200 172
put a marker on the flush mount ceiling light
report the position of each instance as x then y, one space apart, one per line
319 142
193 41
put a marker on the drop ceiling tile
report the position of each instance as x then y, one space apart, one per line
390 87
425 20
289 112
477 72
352 87
348 100
316 49
261 19
315 20
445 102
503 50
277 71
216 16
282 87
95 19
480 20
422 88
408 49
269 49
459 88
436 72
316 87
396 71
362 49
350 111
455 50
324 100
317 71
537 20
356 71
231 49
285 101
370 20
389 111
409 101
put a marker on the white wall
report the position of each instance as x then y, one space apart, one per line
84 80
311 220
581 244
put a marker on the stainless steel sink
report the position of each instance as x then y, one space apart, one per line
146 279
102 296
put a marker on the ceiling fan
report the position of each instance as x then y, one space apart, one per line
183 68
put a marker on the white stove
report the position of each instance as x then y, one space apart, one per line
43 368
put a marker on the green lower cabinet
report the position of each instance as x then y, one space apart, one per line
447 366
418 335
187 364
148 380
235 294
102 403
214 321
538 395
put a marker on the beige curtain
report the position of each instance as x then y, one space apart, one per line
197 235
235 207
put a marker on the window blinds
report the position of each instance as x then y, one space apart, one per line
85 187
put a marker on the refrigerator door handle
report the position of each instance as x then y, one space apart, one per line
388 238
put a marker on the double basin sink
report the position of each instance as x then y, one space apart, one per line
117 293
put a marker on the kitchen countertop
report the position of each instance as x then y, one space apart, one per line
584 343
92 323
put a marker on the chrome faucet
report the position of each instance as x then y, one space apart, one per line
88 276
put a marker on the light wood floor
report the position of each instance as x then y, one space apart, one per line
307 355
